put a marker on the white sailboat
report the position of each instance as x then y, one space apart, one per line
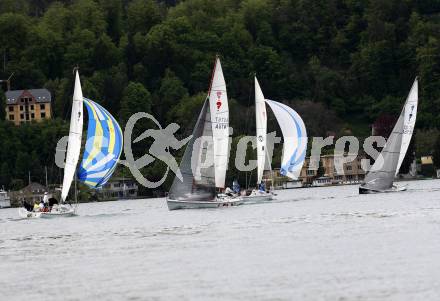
260 195
205 160
381 176
101 154
294 136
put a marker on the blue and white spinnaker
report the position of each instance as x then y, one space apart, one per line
103 146
295 139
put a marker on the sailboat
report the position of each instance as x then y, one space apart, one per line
258 195
380 178
295 142
101 154
204 163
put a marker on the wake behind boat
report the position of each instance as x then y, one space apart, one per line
381 176
204 163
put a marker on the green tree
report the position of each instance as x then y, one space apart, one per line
2 105
142 15
171 92
436 153
136 98
5 175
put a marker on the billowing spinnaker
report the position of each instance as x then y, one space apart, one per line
218 104
75 134
103 146
261 126
295 139
410 114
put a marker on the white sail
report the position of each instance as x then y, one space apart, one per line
410 114
74 144
295 139
261 125
218 103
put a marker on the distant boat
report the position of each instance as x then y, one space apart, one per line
322 181
381 176
5 201
209 143
101 153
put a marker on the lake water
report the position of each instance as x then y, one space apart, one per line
310 244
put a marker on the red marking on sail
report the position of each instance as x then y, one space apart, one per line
219 101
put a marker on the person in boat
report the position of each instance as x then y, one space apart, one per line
46 201
36 206
236 187
262 187
229 191
27 206
41 206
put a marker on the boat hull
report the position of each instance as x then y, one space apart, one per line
257 197
66 212
188 204
364 190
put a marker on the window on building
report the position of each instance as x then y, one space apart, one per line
32 116
32 107
27 116
11 109
43 115
42 106
310 172
349 167
21 108
21 116
11 117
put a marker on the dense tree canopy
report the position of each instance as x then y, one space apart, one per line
348 61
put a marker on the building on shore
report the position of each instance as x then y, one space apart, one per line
353 173
118 188
34 192
28 105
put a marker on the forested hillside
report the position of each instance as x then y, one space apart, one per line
340 63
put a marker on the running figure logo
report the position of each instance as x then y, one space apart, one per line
164 140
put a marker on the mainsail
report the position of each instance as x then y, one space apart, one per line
219 109
74 142
381 174
410 110
196 165
387 165
261 126
295 139
103 146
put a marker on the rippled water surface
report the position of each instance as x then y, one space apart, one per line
310 244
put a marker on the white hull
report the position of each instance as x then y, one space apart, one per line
257 197
292 185
188 204
5 204
64 212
